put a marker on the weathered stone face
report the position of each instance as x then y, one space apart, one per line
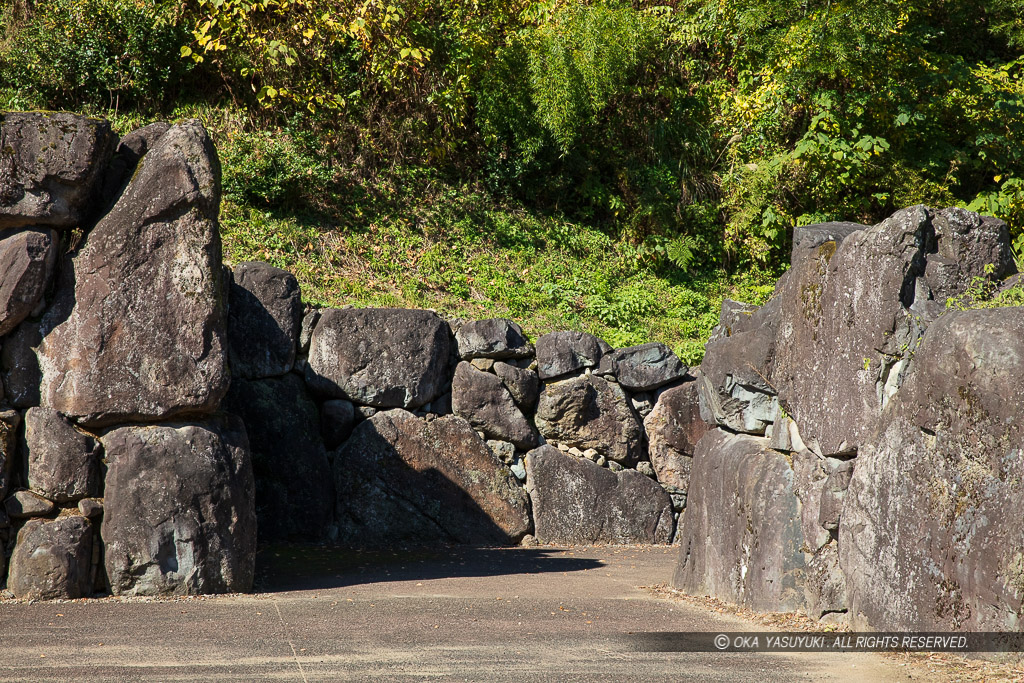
137 330
20 367
179 515
53 560
380 357
522 383
673 429
492 338
27 258
833 495
559 353
483 400
294 486
50 167
63 462
264 318
403 480
576 501
932 529
741 539
644 367
590 412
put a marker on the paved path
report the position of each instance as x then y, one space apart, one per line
480 615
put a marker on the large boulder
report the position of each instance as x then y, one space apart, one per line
492 338
560 353
577 502
644 367
179 513
741 538
932 529
63 462
483 400
53 560
522 383
51 165
27 258
591 412
403 480
264 318
379 357
137 330
673 429
294 486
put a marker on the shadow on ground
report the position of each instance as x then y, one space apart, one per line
303 567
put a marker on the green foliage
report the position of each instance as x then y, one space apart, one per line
73 53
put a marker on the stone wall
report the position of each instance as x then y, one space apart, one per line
866 458
161 413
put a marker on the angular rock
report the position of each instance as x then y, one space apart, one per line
20 367
294 486
492 338
403 480
741 539
825 587
179 513
10 420
137 330
337 418
91 508
673 429
503 450
27 258
590 412
129 153
559 353
309 321
380 357
482 399
264 320
833 495
810 476
644 367
24 504
576 502
522 383
932 530
63 462
808 237
51 165
53 560
734 317
966 244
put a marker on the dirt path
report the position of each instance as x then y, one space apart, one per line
480 614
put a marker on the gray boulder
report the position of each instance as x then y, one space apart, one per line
483 400
26 504
591 412
294 486
559 353
825 588
576 502
522 383
741 539
492 338
932 528
51 166
63 462
27 258
674 427
137 330
380 357
403 480
833 495
129 153
644 367
179 513
966 244
53 560
337 418
19 365
264 319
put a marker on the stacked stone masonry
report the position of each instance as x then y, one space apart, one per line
162 413
852 448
